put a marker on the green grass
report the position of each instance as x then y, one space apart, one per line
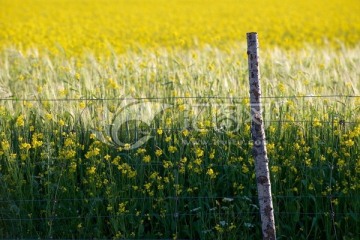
194 177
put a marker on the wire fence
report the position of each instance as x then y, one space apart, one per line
176 97
220 200
224 198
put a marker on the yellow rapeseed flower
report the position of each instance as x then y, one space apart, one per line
158 152
199 152
91 170
159 131
127 146
185 132
210 172
146 159
172 149
275 169
349 143
48 116
25 146
5 145
316 122
92 152
82 105
20 121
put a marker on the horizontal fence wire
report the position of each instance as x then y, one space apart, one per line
166 129
196 98
221 198
178 215
174 97
327 166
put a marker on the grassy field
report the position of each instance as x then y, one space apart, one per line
130 119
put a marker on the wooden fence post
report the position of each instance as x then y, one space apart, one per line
259 141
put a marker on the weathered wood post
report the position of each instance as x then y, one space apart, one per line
259 141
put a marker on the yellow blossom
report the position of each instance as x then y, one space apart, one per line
112 84
159 131
212 154
146 159
349 143
82 105
271 129
199 152
168 121
141 151
167 164
172 149
245 168
77 76
158 152
275 169
185 132
91 170
48 116
5 145
316 122
198 161
210 172
25 146
20 121
92 152
270 147
73 166
122 207
127 146
281 87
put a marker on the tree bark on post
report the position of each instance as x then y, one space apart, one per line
259 141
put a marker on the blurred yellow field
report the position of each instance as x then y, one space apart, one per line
105 26
131 119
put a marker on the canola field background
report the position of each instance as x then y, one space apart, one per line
100 26
70 71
